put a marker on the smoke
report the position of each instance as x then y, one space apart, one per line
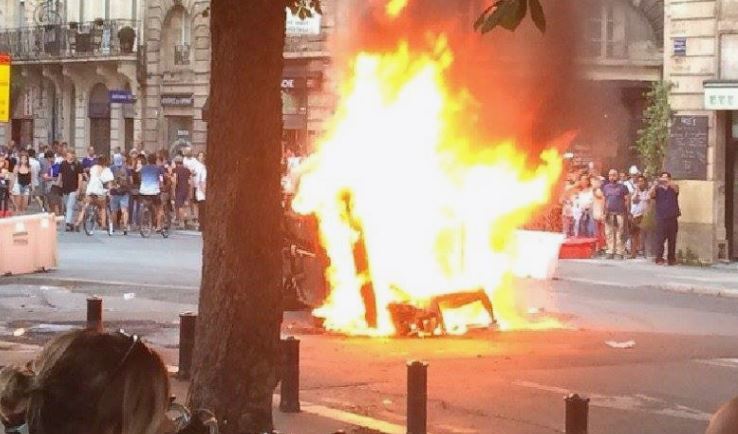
524 85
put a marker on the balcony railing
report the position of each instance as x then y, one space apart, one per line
102 38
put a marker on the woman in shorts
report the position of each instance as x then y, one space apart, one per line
21 184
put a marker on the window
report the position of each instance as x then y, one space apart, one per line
604 30
177 36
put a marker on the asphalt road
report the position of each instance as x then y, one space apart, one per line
684 362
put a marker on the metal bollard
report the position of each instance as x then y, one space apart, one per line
187 323
577 418
94 314
289 394
417 397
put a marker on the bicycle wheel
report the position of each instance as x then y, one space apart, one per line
90 221
146 225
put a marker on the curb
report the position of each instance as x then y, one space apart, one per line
674 287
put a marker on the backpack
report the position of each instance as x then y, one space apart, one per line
121 180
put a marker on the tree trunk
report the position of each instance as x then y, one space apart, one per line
240 312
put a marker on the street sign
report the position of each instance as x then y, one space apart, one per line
680 46
121 96
4 88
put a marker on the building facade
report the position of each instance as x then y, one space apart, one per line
701 62
67 60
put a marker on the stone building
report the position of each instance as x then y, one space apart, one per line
701 61
68 59
175 74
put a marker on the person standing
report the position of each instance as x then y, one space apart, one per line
666 202
640 201
70 179
37 192
182 187
90 159
120 192
22 183
583 201
200 182
617 199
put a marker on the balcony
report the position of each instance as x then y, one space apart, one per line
103 39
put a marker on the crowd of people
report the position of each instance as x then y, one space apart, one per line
629 215
57 181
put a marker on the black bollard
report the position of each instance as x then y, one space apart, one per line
94 314
417 397
187 322
577 409
289 392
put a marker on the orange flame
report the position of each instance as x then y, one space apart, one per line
396 171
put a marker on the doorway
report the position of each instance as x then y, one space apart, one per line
731 184
22 131
99 113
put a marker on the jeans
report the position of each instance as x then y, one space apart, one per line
667 232
584 226
615 234
70 199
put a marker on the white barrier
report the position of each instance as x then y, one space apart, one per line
28 244
537 254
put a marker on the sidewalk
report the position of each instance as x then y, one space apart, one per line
715 281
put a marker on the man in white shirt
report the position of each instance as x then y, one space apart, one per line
200 180
36 190
97 189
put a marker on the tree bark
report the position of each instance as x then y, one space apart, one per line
240 312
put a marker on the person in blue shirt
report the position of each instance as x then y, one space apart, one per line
666 199
90 159
151 178
617 200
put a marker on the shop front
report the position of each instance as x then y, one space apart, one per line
178 114
297 85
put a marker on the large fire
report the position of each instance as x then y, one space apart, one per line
410 209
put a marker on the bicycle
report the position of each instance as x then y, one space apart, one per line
92 216
147 218
185 421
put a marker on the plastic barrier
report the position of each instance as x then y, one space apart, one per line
537 254
28 244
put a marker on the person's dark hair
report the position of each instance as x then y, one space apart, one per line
90 383
31 153
103 161
665 173
151 158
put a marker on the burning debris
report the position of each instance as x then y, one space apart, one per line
418 220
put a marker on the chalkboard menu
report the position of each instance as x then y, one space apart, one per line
686 152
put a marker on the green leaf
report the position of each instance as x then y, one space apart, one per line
536 13
478 23
503 9
512 20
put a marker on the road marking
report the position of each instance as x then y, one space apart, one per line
723 363
352 418
47 277
638 402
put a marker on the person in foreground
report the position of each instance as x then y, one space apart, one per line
87 382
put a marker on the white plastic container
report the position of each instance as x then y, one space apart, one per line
28 244
537 254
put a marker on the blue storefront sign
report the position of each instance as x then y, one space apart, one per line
121 96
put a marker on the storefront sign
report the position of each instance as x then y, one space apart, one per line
121 96
310 83
297 26
4 88
721 95
178 100
680 46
